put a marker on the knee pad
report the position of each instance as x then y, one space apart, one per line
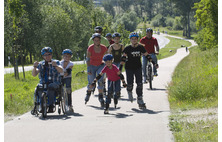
69 90
117 95
108 98
129 87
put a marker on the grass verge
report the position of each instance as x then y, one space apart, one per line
18 94
194 85
171 48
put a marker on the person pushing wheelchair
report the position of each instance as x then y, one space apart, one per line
49 73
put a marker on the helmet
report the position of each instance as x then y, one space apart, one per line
98 29
45 50
149 30
96 35
108 34
133 34
67 51
107 57
116 35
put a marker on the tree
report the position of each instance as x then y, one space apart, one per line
207 21
109 8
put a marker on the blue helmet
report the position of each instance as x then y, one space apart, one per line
45 50
133 34
116 35
108 34
107 57
67 51
96 35
149 30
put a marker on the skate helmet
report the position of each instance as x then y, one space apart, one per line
45 50
67 51
107 57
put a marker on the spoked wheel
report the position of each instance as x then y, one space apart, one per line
64 101
150 76
44 105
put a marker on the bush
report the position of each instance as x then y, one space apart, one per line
169 22
177 24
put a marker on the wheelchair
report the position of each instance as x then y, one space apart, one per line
41 103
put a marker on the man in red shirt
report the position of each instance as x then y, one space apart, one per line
149 43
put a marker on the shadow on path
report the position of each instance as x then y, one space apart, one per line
146 111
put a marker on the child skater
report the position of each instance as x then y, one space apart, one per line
114 76
67 79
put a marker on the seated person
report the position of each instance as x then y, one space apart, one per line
49 72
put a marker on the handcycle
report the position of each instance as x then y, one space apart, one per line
41 102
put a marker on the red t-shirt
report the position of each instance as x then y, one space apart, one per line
111 73
96 58
149 44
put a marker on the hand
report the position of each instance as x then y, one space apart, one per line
124 85
65 74
157 52
36 64
92 85
54 64
157 66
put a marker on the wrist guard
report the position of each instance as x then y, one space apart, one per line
123 59
69 71
121 76
98 77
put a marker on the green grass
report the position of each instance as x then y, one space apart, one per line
173 45
18 94
194 85
200 131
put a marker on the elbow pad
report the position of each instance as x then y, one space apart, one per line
98 77
121 76
123 59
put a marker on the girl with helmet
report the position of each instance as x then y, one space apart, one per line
116 49
114 76
95 53
109 38
133 68
67 66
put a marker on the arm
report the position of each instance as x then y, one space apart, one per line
57 66
123 60
110 49
88 55
96 79
35 71
122 78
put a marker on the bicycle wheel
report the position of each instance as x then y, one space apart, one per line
150 76
64 101
44 105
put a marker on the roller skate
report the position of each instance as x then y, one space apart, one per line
106 110
88 94
101 100
140 102
130 96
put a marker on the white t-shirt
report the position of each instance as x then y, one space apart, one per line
64 69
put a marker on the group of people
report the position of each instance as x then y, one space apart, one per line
105 59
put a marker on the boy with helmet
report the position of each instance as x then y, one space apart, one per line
149 43
114 75
67 66
116 49
95 53
133 67
49 72
109 38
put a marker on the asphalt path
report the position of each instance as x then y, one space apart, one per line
127 123
162 41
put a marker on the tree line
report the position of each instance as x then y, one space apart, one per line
31 25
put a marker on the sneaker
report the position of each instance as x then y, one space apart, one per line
155 74
140 100
71 109
51 108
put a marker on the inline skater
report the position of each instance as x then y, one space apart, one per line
131 57
116 49
95 53
67 66
114 76
109 38
49 72
151 45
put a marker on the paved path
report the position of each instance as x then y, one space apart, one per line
88 124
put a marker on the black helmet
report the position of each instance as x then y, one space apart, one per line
96 35
116 35
98 29
108 34
45 50
149 30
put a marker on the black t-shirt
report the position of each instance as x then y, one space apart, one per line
134 54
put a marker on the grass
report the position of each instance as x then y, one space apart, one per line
18 94
194 85
172 46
